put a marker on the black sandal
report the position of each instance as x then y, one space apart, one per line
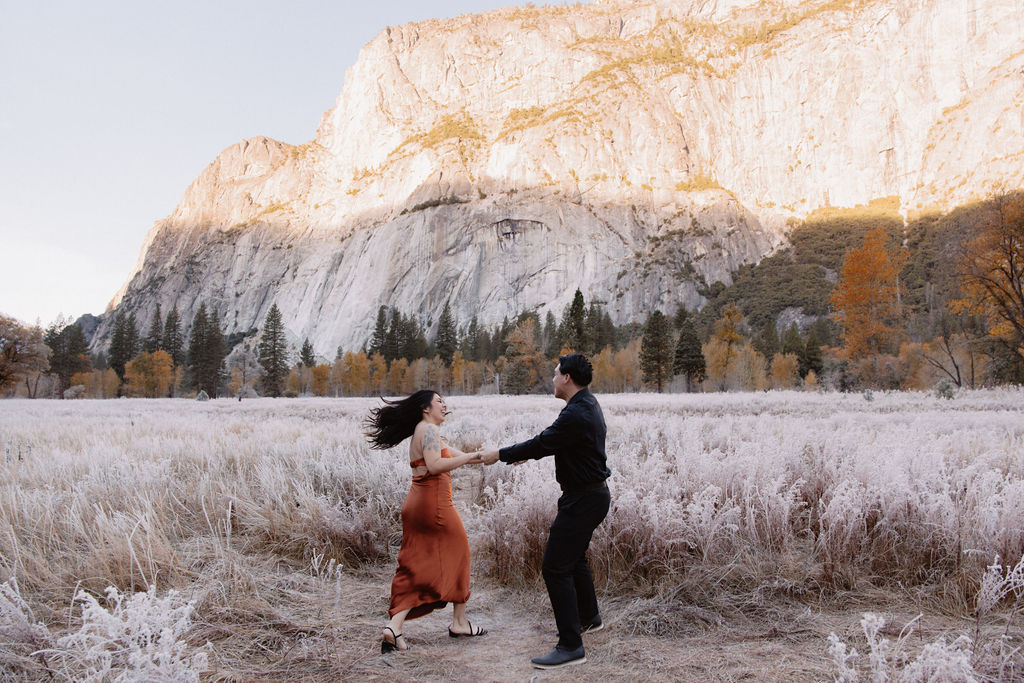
386 645
473 633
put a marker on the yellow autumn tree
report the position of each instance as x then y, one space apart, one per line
438 375
397 376
626 367
355 379
417 377
785 371
110 383
321 379
721 350
866 299
458 373
149 374
526 364
378 374
991 271
474 375
604 371
293 384
748 370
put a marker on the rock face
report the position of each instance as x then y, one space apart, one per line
637 149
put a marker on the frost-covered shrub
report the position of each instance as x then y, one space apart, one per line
945 389
818 490
138 639
961 658
345 498
512 533
886 660
20 634
790 488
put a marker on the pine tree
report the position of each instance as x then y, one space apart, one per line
413 343
273 353
549 336
593 338
122 343
393 339
471 341
574 332
156 332
306 355
173 341
213 356
134 342
681 317
792 342
487 350
196 346
656 351
608 332
69 352
810 359
688 359
767 343
378 341
446 341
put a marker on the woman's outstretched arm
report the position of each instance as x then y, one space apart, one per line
430 445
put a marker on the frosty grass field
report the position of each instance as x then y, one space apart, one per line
171 539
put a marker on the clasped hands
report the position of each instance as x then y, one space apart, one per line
488 457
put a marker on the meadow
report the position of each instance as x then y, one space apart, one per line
825 536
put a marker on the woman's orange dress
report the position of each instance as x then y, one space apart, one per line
433 563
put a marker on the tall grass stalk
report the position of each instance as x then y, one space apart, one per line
748 495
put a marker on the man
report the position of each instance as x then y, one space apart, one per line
576 439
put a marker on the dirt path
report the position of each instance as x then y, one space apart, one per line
328 629
333 633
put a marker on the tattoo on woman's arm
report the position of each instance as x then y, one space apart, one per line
432 440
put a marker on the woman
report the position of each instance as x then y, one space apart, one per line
433 563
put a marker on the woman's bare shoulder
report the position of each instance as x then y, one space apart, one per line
423 428
428 436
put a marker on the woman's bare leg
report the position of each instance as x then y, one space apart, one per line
459 623
396 624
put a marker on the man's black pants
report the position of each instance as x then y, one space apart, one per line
566 572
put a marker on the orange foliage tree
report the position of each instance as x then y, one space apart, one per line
721 350
526 364
321 379
150 374
355 378
991 271
378 374
866 299
784 371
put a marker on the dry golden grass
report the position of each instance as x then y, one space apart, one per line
281 528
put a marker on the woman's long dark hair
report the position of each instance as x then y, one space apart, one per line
395 421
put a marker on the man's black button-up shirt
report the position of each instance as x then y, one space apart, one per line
575 438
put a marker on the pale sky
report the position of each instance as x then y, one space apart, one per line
109 109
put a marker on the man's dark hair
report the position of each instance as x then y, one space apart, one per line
577 367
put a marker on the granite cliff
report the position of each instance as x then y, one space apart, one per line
637 149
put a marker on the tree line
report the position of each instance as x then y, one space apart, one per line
905 308
58 363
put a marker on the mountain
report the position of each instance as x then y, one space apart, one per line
639 150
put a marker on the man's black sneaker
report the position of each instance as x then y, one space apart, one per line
595 625
560 657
